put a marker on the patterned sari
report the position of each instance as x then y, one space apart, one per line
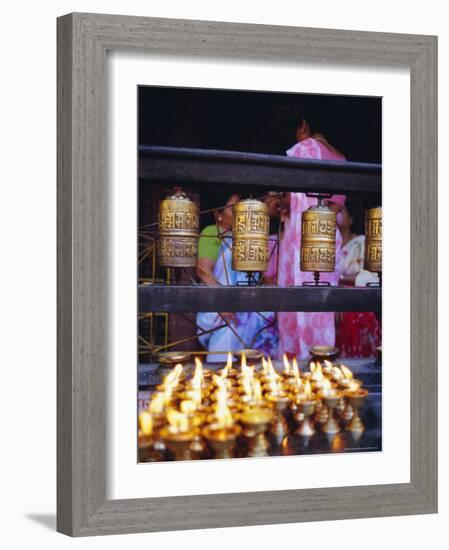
298 331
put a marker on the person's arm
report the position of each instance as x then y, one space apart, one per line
204 270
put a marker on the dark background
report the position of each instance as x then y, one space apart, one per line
258 122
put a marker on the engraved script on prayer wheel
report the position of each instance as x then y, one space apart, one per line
373 239
318 227
178 232
250 230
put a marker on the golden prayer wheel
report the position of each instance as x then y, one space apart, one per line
178 231
250 232
373 239
318 228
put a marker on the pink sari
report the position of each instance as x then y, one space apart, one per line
298 331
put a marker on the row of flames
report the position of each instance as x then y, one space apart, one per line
185 405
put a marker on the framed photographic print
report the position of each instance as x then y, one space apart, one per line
247 274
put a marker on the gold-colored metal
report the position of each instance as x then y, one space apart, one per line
222 440
356 399
331 425
250 232
318 230
178 232
255 423
324 352
373 240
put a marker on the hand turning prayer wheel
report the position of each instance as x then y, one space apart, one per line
373 239
178 232
318 229
250 231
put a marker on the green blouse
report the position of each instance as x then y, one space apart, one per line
209 243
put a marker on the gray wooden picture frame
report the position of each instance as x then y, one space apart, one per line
83 40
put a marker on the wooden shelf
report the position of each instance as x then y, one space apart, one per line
193 298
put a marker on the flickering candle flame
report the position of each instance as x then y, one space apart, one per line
295 370
257 391
312 367
346 372
307 389
327 389
336 373
318 372
287 368
228 366
265 366
178 422
145 423
157 403
354 385
223 415
197 379
188 406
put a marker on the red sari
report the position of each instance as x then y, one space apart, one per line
358 333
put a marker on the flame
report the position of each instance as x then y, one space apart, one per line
307 388
223 415
197 379
247 387
328 365
312 366
318 372
346 372
145 423
273 385
336 373
188 406
353 386
178 371
157 403
228 366
265 366
295 370
168 391
243 361
177 421
287 368
257 391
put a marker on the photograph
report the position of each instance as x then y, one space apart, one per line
259 274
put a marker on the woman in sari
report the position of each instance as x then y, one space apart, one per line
358 333
299 331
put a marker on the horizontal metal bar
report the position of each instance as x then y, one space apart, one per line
183 165
177 299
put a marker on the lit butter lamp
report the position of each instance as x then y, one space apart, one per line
278 400
157 410
330 397
222 432
147 453
356 399
303 407
294 382
178 435
255 423
346 381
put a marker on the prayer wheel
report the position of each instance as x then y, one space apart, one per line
373 239
318 228
178 232
250 232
